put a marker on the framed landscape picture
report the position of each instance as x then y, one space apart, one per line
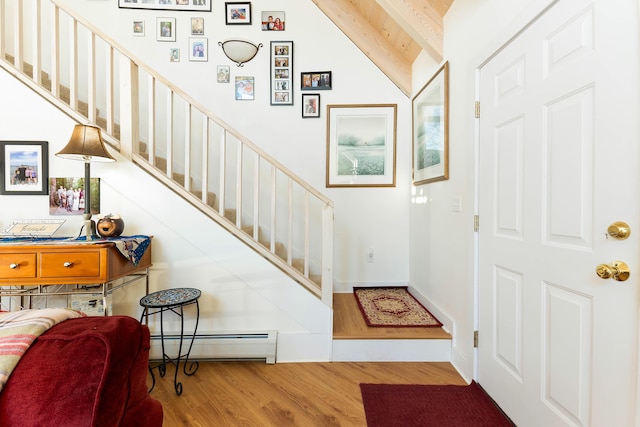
431 129
361 145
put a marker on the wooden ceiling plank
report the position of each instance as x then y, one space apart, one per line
369 41
420 20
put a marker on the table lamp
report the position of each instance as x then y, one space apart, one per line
86 144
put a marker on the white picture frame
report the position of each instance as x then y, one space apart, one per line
166 29
198 49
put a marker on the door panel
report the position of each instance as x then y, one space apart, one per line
567 353
557 165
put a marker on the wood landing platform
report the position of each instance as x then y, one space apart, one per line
348 324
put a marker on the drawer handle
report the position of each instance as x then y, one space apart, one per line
68 264
13 266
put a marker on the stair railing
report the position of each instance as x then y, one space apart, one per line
89 76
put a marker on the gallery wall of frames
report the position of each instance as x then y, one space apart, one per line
282 80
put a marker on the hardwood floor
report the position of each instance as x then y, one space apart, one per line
295 394
285 394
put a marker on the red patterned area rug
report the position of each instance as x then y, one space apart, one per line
396 405
393 307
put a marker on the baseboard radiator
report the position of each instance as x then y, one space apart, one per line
220 346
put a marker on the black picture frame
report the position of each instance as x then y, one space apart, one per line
237 13
186 5
24 167
316 80
281 72
310 105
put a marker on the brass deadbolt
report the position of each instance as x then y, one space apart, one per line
619 230
618 270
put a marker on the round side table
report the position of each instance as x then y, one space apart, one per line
172 300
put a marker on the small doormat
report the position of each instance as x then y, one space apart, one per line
393 307
387 405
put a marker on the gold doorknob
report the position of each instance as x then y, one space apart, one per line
618 270
619 230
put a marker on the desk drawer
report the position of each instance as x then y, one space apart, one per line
70 264
24 266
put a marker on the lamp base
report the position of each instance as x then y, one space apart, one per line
89 228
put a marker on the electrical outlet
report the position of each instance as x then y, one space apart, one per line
370 255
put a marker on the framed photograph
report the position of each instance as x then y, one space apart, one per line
315 80
138 28
24 167
197 26
282 73
174 54
66 196
361 145
166 29
198 5
244 88
272 21
198 49
310 105
223 73
430 152
238 13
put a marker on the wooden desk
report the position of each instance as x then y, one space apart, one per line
85 268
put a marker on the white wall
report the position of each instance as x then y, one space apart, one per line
442 241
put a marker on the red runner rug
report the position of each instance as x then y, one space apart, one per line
395 405
393 307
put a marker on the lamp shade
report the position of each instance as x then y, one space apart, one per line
86 144
239 51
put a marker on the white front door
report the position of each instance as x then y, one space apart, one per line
558 164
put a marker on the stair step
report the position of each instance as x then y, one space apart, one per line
211 197
354 341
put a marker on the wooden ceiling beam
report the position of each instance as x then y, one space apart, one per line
367 38
421 21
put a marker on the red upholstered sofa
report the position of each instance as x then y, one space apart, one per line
90 371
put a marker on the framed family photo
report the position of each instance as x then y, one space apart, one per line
223 73
272 20
244 88
197 5
310 105
198 49
67 196
430 151
238 13
282 73
315 80
24 167
197 26
138 28
166 29
361 145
